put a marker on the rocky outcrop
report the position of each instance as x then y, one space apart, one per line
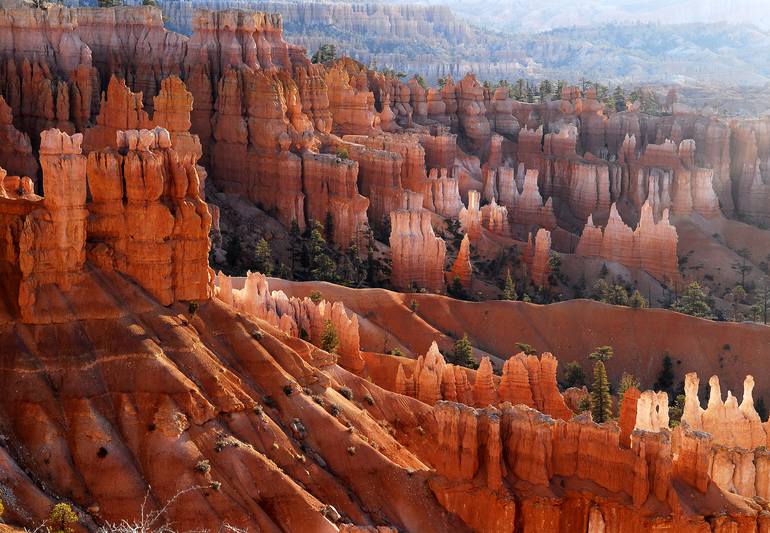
749 169
413 176
330 188
528 207
494 217
46 71
471 114
146 217
440 148
15 148
531 381
352 109
470 217
131 43
379 179
298 317
462 269
729 424
540 256
417 253
51 242
650 247
444 194
651 411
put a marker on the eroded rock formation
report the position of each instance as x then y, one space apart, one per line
418 254
650 247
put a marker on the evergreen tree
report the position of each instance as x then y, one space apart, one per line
526 348
326 52
546 88
601 401
463 353
574 376
761 408
322 267
676 410
263 258
355 262
329 228
665 381
693 302
234 251
743 267
456 289
530 94
330 341
509 289
619 97
602 354
637 301
295 243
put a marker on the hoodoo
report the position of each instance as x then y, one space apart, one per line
203 237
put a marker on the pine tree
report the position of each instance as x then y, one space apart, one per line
693 302
295 243
676 410
619 97
463 353
326 52
263 258
330 341
665 380
601 401
456 289
329 228
509 290
574 376
234 251
761 408
322 267
602 354
637 301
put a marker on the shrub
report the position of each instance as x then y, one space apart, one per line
342 154
287 390
334 410
330 341
397 352
203 466
316 297
102 453
257 334
352 450
216 485
526 348
368 399
258 410
268 401
62 519
319 400
413 305
346 392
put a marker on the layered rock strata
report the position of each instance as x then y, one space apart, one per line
418 255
